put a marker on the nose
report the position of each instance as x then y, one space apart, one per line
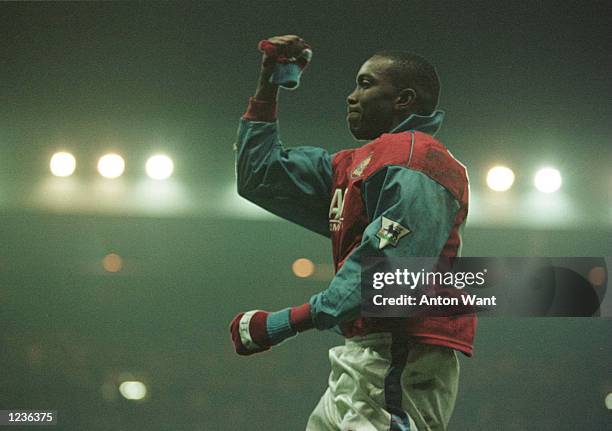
351 99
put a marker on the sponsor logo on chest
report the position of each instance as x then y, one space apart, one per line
336 209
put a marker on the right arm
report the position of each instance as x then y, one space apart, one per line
292 183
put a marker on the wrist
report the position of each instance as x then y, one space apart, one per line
278 326
266 91
286 323
300 318
260 110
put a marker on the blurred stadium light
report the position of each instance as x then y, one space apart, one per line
303 268
62 164
111 166
500 178
112 262
133 390
518 206
548 180
159 167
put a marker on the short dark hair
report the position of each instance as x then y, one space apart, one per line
413 71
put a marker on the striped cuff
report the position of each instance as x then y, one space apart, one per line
279 327
287 75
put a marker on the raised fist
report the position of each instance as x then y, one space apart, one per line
283 48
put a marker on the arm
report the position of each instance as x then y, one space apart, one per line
292 183
408 198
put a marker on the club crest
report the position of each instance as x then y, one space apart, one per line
358 171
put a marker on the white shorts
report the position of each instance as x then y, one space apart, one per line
379 382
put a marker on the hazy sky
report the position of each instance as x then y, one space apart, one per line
521 84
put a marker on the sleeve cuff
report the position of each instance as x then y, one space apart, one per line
278 326
260 110
300 317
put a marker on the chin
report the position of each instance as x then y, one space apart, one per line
357 132
362 135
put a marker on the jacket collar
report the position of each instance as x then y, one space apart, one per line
429 124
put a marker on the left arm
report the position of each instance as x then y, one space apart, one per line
421 214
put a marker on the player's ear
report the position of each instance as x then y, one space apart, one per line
406 99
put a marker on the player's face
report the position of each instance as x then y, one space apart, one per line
370 110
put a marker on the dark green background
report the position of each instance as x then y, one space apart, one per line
523 84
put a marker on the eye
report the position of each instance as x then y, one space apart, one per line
364 83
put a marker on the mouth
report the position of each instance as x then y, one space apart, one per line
353 116
353 119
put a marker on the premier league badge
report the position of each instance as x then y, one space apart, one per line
390 233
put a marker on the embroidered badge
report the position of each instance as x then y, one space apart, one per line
361 167
390 233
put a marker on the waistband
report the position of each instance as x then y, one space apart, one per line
373 339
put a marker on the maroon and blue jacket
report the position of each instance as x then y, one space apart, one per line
401 195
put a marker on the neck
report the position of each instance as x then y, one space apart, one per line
397 120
